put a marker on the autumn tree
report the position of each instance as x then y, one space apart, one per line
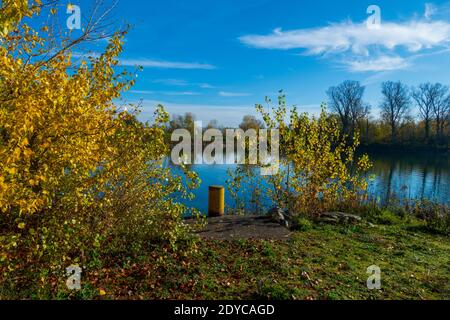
441 109
185 121
395 105
425 96
250 122
346 100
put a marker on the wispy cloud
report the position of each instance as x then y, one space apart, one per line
141 92
430 10
166 93
382 63
181 93
166 64
413 36
360 48
182 83
206 86
172 82
233 94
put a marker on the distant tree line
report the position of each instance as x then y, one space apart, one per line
408 116
397 124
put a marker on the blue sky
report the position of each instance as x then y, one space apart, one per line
218 58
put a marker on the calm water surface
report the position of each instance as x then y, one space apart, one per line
405 176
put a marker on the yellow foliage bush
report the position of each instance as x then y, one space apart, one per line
318 168
78 176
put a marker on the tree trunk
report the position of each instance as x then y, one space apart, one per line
393 134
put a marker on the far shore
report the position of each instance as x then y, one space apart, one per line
399 148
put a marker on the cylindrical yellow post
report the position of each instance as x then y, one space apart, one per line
216 201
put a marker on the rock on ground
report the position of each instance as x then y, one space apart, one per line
339 217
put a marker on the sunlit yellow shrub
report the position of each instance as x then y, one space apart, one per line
318 168
79 178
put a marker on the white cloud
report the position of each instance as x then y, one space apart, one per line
182 83
206 86
166 64
167 93
413 35
358 47
171 82
181 93
141 92
382 63
430 10
233 94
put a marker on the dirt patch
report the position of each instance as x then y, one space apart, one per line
243 227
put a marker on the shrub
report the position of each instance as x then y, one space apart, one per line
435 215
240 183
387 217
302 224
318 167
80 179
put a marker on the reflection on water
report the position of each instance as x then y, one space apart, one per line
405 176
411 176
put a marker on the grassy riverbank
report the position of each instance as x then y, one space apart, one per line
324 262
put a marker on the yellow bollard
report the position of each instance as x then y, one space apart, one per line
216 201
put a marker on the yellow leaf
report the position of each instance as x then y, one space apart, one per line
24 142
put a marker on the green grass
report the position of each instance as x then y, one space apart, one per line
324 262
320 262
